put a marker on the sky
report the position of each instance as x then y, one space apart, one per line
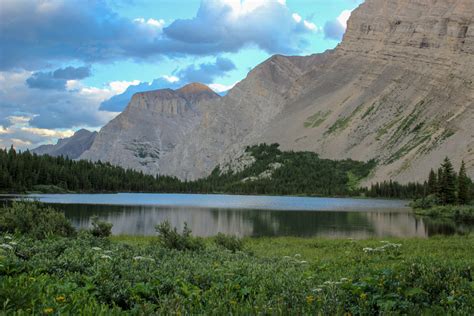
72 64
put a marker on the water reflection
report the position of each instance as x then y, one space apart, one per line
141 220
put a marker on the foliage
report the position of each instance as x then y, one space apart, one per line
464 184
100 228
35 220
463 213
170 238
89 276
231 243
425 202
298 173
447 183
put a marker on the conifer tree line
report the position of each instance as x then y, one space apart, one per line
444 184
299 173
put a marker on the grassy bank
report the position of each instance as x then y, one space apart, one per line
85 274
456 212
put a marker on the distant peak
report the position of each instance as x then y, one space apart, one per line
194 87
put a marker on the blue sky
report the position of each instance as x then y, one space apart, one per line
70 64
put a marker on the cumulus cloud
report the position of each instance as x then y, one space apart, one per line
205 72
50 109
335 29
34 34
57 80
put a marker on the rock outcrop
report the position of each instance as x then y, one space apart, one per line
151 126
71 147
399 89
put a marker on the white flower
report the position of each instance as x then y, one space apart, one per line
106 257
297 255
368 249
96 248
6 246
302 262
344 279
13 243
138 258
318 290
8 237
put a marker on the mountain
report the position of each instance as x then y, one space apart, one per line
399 89
150 127
71 147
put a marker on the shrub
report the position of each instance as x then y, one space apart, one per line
100 228
170 237
231 243
425 202
35 220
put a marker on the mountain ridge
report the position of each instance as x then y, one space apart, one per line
397 89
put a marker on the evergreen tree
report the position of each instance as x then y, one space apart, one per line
432 183
439 187
464 184
448 183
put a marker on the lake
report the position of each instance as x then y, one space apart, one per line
206 215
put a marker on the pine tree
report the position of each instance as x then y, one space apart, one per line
432 183
463 186
439 186
448 183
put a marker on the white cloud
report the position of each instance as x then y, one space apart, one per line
120 86
296 17
344 17
218 88
310 26
171 79
50 133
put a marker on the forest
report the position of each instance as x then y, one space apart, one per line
272 172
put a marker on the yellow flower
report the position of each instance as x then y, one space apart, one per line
233 302
363 296
309 299
48 310
60 298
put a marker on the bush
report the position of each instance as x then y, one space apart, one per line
425 202
231 243
100 228
171 239
35 220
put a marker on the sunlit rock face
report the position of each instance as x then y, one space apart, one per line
399 88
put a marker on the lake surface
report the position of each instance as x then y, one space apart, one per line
207 215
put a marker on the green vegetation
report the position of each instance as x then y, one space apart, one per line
316 120
342 123
84 274
285 173
447 194
298 173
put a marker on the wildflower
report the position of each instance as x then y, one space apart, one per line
8 237
48 310
363 296
317 290
60 299
309 299
105 257
303 262
384 242
297 255
368 249
344 279
6 246
138 258
13 243
96 248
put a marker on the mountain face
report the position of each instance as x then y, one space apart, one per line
71 147
150 127
398 89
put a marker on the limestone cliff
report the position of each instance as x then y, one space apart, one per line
399 88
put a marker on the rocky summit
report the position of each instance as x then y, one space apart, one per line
398 89
71 147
